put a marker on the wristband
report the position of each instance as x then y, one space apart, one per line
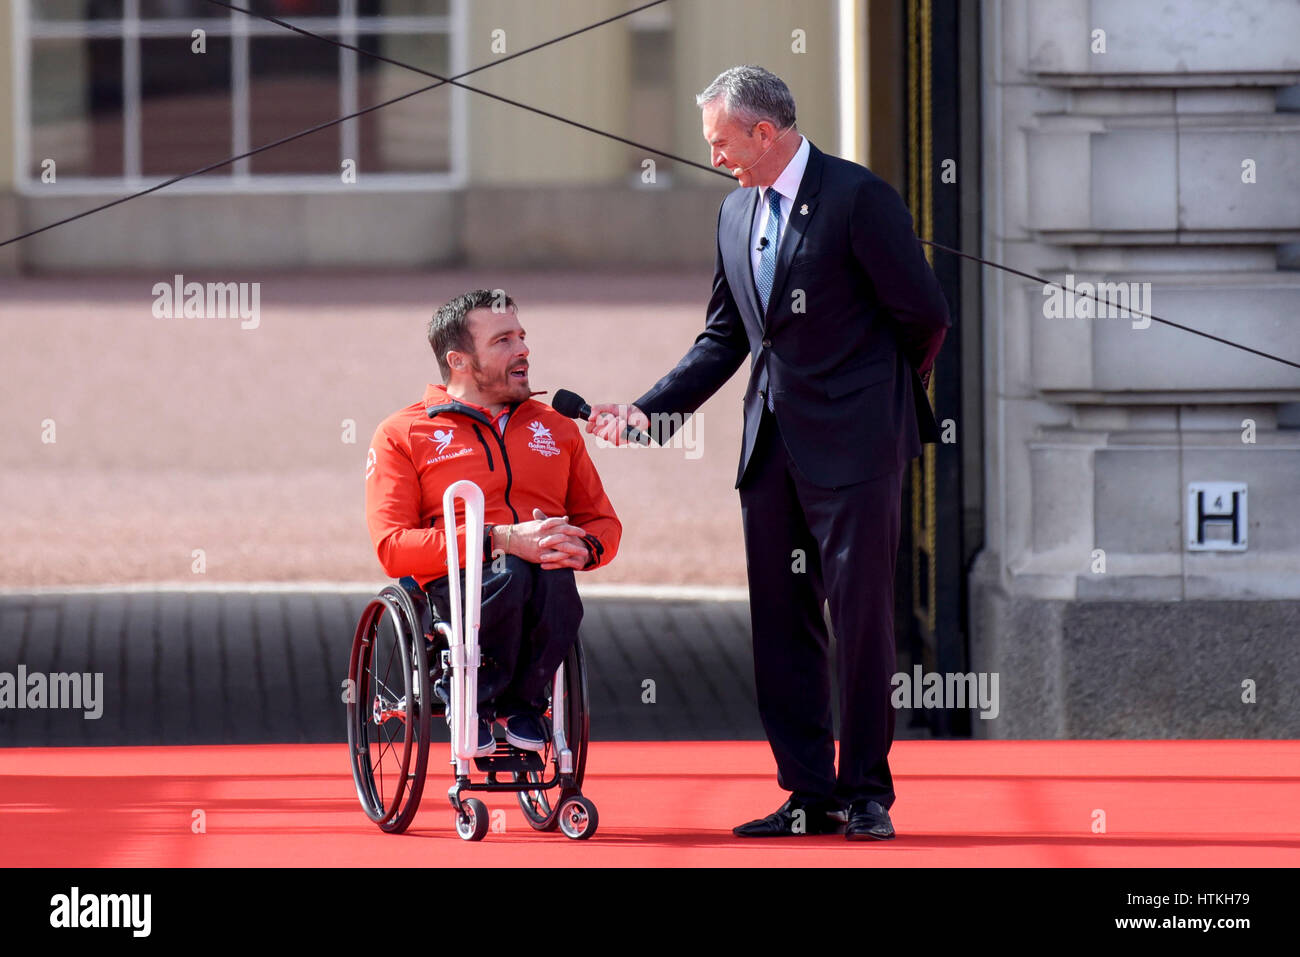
594 551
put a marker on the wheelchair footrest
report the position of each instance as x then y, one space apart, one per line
509 758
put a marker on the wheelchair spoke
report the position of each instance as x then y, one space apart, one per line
392 696
388 669
390 742
391 705
383 748
389 756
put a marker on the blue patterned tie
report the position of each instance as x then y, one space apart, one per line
767 258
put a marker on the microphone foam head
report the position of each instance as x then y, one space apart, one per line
568 403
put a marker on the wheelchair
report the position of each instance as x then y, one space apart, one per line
401 648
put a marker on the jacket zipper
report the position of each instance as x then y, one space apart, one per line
479 417
483 442
506 460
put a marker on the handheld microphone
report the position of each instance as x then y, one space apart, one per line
575 407
745 169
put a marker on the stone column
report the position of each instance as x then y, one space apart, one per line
9 221
584 78
710 37
1147 147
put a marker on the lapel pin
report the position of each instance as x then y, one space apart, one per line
803 210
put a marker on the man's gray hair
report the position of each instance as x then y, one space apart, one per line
750 94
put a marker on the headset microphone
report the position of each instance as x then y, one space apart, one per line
745 169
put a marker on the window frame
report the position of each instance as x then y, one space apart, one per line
240 28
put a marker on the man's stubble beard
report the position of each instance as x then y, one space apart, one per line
503 388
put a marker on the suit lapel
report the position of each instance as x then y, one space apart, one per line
746 228
797 227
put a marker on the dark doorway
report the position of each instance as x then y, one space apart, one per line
923 116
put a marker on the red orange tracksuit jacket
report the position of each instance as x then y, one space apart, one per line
539 462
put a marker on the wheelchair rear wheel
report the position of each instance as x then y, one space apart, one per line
541 810
388 712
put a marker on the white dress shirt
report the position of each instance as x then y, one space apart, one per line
787 185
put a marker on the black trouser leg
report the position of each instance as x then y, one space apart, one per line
858 528
791 646
551 623
501 624
528 622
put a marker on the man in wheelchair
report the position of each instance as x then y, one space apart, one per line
546 512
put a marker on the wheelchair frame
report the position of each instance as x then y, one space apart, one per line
375 700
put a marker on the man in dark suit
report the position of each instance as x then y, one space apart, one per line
821 283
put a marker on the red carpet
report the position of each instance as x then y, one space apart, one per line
1014 803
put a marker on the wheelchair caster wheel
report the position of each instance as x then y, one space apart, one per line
472 821
578 818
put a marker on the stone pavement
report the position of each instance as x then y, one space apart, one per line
237 667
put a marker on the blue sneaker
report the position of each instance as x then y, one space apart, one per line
486 742
526 731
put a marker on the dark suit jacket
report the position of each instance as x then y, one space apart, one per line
856 315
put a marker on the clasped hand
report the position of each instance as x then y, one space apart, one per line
549 542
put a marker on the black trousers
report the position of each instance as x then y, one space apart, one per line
804 545
529 621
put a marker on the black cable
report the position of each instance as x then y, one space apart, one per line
211 166
1128 309
712 169
454 81
442 81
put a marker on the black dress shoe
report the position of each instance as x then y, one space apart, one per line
794 818
868 821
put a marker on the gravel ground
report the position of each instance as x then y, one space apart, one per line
176 435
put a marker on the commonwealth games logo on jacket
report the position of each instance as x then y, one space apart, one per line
542 440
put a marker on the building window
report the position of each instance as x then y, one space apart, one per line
117 95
